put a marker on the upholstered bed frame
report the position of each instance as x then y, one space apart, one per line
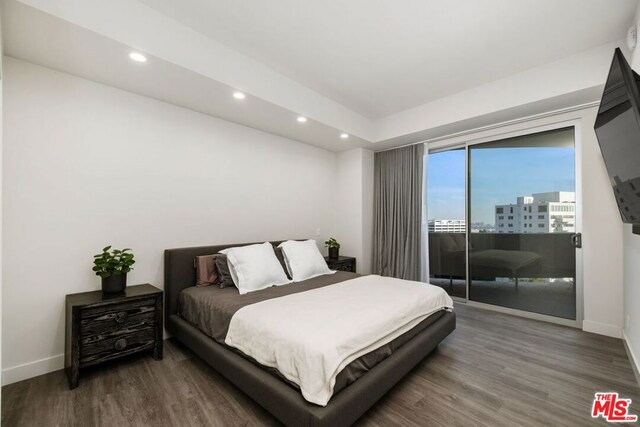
280 399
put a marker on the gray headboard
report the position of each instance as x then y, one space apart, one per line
180 274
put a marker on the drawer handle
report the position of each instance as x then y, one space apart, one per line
121 316
121 344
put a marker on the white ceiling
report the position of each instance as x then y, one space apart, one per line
43 39
354 66
380 57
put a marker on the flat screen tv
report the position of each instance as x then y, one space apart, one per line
618 130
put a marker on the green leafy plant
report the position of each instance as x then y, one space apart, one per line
332 243
113 262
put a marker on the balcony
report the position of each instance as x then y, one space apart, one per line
532 272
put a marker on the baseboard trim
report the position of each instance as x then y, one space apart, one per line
32 369
38 367
602 328
635 362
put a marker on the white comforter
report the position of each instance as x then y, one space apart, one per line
311 336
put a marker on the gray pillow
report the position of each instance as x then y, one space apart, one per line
280 256
224 275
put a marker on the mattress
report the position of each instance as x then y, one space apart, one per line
210 309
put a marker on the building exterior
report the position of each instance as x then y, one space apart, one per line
481 227
447 225
539 213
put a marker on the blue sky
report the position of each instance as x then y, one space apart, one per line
498 176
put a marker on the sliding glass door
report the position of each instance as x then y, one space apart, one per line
515 201
446 220
522 192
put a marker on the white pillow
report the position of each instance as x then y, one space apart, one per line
255 267
303 260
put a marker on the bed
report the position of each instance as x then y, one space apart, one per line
357 387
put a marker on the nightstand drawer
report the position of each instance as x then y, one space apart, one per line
116 346
111 318
342 263
103 330
346 266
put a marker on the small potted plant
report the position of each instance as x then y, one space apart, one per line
113 266
334 248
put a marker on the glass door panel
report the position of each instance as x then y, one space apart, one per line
522 212
446 220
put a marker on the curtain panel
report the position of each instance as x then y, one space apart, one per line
397 229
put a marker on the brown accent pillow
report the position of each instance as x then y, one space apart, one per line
280 256
224 275
206 271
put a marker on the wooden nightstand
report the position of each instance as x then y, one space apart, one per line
343 263
101 327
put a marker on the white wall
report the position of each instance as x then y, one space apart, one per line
1 175
86 165
601 239
632 260
634 57
367 210
354 206
632 292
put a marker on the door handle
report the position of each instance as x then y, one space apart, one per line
577 240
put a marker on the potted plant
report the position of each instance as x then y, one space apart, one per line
334 248
113 266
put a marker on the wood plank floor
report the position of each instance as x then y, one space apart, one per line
494 370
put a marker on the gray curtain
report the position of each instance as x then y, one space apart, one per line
398 212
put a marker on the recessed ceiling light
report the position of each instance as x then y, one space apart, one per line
344 135
138 57
302 119
239 95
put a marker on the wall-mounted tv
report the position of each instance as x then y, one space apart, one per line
618 130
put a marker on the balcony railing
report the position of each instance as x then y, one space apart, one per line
550 255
